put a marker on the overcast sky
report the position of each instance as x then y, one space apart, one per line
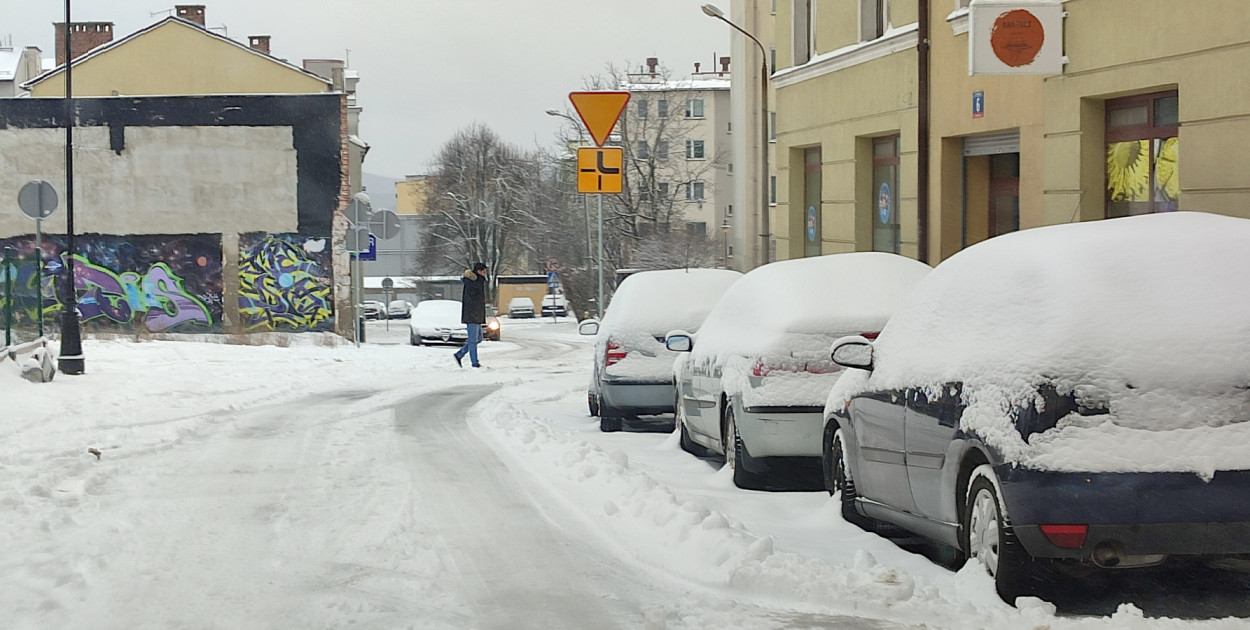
430 67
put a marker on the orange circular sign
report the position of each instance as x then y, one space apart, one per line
1017 38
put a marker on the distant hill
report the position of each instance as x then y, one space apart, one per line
381 190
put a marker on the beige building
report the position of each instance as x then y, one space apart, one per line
757 17
676 136
1099 140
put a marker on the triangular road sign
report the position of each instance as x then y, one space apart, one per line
599 111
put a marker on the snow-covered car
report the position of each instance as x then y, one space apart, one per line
437 321
633 371
1077 393
399 309
754 384
520 307
555 304
493 328
374 309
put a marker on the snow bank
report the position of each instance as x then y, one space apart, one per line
1141 315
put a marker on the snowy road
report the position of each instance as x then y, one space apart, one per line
327 486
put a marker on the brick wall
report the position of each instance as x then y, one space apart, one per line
85 36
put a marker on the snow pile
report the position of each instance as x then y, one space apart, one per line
654 525
650 304
787 314
1138 315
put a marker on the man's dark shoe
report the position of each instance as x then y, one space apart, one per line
457 358
477 365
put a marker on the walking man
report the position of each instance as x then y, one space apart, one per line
472 312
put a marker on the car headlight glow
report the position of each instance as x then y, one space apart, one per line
493 325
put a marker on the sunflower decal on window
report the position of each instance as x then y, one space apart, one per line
1167 178
1128 170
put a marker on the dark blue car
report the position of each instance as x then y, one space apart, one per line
1046 402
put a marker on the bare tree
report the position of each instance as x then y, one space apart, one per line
678 249
481 200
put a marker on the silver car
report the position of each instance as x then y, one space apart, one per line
756 378
633 371
437 321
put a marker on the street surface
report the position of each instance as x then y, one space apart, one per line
382 487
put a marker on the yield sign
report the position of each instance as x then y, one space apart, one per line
599 111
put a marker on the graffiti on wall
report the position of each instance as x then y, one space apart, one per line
158 283
284 283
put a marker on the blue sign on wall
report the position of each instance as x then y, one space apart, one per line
978 104
885 204
811 223
372 253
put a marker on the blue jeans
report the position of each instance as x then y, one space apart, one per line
470 344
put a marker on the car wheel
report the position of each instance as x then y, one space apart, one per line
988 537
838 476
736 455
592 402
414 339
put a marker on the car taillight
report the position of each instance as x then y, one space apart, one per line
1066 536
759 369
869 335
616 353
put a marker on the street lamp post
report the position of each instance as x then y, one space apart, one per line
765 235
71 360
586 211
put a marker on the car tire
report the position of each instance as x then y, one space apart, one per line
414 339
736 455
592 402
989 537
839 476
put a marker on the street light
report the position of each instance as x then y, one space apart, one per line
71 360
586 211
715 12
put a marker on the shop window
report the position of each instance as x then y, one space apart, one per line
1142 167
885 225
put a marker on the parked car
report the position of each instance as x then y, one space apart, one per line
555 305
754 385
1076 393
633 371
520 307
399 309
435 321
493 328
374 309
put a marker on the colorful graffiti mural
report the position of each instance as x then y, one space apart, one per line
284 283
159 283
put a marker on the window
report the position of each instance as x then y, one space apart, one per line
642 108
694 108
729 168
640 151
772 126
729 210
661 150
804 30
774 7
694 191
1142 174
694 149
884 206
662 190
697 228
661 108
772 59
772 190
873 18
729 127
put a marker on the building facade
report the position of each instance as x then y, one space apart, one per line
753 189
1098 140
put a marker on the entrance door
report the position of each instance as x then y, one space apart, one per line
885 232
1004 193
811 202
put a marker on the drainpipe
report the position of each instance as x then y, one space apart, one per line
922 161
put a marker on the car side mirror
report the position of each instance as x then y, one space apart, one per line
853 352
589 327
679 341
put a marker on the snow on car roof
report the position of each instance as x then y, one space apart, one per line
655 302
1147 315
830 295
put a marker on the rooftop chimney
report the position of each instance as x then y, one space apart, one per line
724 64
190 12
652 62
259 43
696 67
84 37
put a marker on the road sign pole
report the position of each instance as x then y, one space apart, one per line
599 304
39 273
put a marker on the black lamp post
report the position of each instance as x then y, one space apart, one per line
71 360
